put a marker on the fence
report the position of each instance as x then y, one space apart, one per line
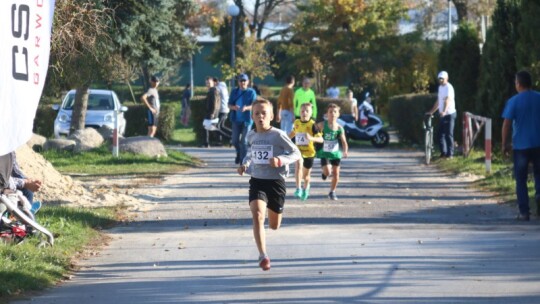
472 125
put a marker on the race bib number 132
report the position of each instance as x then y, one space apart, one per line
261 154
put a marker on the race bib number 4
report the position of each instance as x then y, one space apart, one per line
330 146
301 139
261 154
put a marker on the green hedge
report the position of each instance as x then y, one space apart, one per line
44 120
406 114
136 124
198 109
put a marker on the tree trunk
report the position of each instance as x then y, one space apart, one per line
131 91
78 116
461 9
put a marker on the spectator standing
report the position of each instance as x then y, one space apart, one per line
303 95
354 104
255 87
213 104
151 100
285 103
446 105
522 114
224 107
186 107
240 102
332 92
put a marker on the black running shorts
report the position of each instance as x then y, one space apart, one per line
333 162
272 191
308 162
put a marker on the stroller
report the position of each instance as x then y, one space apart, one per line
16 220
217 125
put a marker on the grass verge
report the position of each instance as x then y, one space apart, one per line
27 268
500 180
101 162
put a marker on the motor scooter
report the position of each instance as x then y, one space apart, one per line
373 130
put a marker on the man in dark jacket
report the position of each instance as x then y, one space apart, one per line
213 104
213 99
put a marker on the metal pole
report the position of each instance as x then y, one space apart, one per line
233 34
449 21
191 75
115 135
488 145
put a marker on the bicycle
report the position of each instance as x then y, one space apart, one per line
428 137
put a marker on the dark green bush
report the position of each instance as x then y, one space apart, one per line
44 121
136 121
406 114
167 121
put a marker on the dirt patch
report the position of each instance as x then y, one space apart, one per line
64 190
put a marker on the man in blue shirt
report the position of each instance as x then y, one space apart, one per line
240 102
522 114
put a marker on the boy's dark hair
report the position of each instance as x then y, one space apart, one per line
333 105
524 79
289 79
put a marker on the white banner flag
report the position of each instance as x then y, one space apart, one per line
25 32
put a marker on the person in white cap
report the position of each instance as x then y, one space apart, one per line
446 105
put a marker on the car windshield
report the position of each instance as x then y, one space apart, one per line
97 102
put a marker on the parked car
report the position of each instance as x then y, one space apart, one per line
100 112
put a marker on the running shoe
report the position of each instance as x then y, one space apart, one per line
324 177
35 207
332 195
305 194
298 193
264 262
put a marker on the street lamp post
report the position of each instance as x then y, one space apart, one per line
449 20
233 10
193 37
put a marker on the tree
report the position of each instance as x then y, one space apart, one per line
151 35
461 59
79 43
252 20
528 48
254 60
334 38
498 64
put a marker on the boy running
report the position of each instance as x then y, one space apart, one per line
269 153
305 132
332 134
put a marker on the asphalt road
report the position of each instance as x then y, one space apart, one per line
401 232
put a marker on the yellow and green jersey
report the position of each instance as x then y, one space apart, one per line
300 129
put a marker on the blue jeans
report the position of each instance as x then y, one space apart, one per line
446 134
239 140
287 121
28 194
522 158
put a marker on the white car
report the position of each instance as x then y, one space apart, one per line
102 105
